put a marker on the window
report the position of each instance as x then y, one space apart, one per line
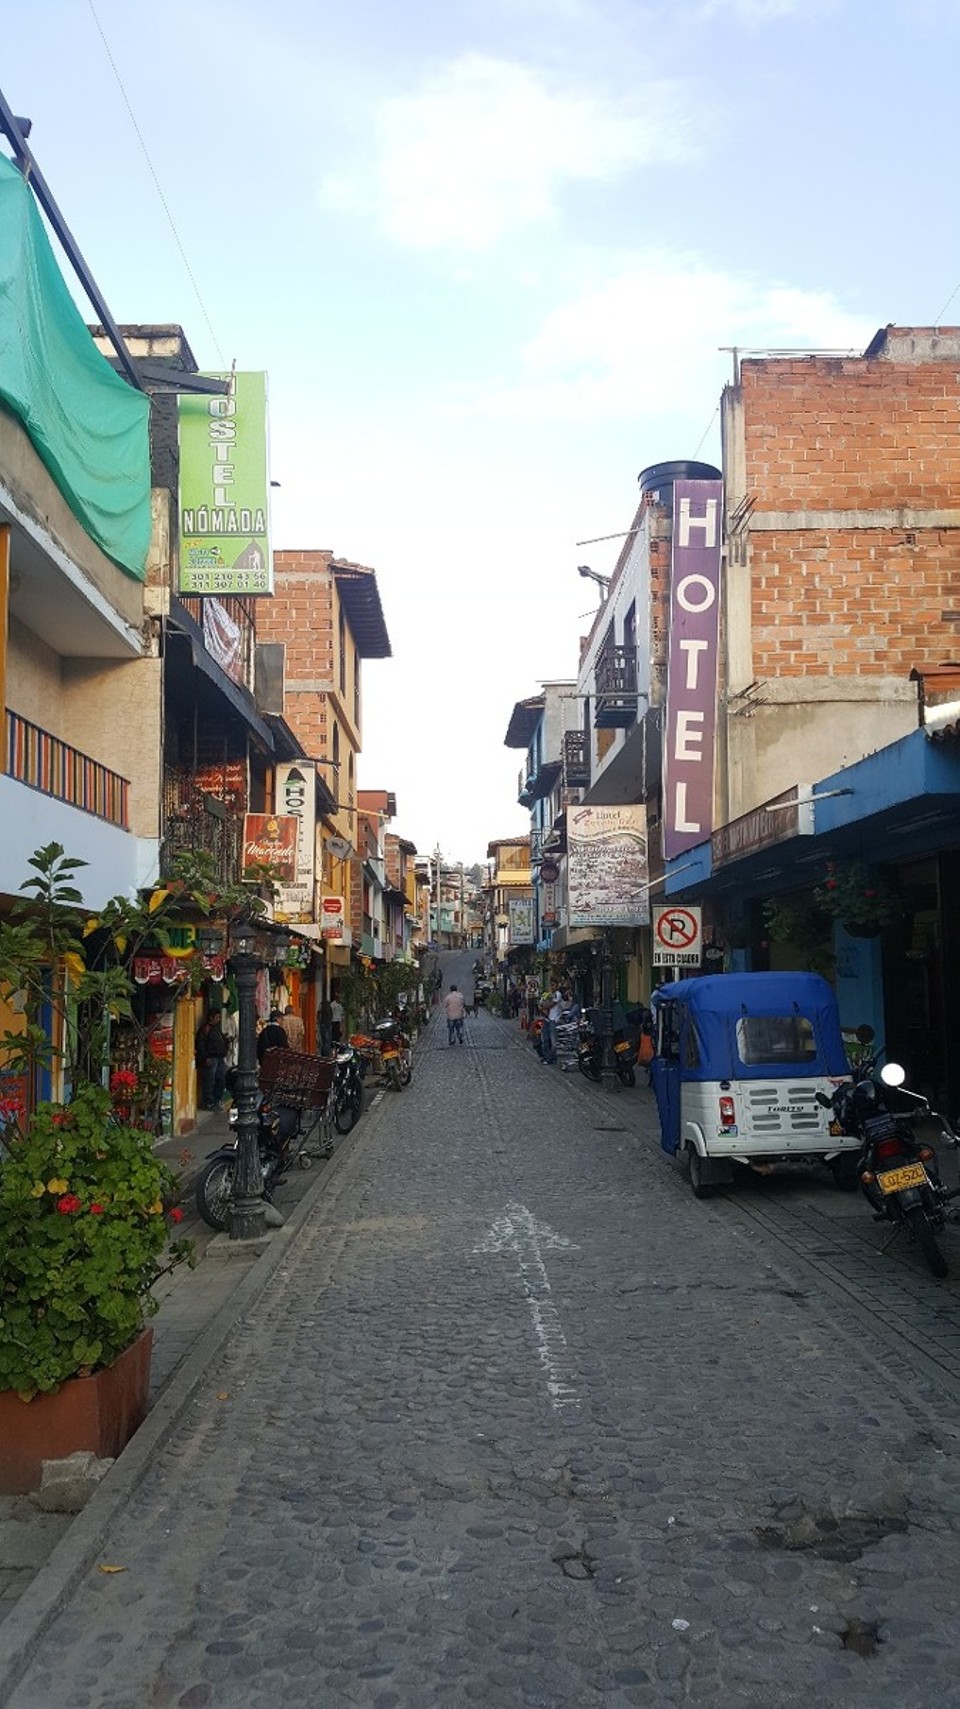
691 1047
773 1039
342 641
668 1040
336 743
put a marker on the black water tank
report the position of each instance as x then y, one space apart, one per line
659 478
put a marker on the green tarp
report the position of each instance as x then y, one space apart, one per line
86 423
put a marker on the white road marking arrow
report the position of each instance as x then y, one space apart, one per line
518 1231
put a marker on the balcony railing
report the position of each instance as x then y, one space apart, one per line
616 688
196 822
576 760
44 762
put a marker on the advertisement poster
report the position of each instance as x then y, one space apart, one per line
520 913
607 873
224 490
271 841
333 916
296 798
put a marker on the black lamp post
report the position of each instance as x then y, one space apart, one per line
248 1217
606 1001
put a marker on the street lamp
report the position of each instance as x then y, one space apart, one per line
248 1216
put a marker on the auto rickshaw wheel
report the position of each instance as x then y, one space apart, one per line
702 1189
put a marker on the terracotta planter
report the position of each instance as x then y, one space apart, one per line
97 1414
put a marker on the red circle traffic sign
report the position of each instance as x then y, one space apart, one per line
677 928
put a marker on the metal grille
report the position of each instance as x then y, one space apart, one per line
194 821
783 1109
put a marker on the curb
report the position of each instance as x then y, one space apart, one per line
24 1628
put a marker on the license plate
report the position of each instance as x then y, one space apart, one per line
894 1180
835 1130
622 1049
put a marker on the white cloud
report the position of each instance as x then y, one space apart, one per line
647 340
487 146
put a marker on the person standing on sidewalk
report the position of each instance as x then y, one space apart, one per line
294 1028
454 1008
548 1037
211 1057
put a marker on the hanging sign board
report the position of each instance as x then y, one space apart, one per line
271 840
677 936
224 490
297 798
333 914
691 712
607 873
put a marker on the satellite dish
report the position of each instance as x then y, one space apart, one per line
339 847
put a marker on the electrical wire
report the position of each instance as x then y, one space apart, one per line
938 319
705 432
163 200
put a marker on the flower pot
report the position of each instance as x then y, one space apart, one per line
96 1414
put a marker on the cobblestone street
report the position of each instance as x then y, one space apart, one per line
518 1421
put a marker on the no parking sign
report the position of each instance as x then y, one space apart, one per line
677 936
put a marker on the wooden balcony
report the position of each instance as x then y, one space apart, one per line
576 760
615 699
45 763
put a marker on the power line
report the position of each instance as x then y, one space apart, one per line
938 319
705 432
159 189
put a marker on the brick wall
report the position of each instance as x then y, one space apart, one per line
853 594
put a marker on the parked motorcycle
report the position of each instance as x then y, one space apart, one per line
285 1132
898 1174
277 1132
590 1051
348 1088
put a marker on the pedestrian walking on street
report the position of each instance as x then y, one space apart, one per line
336 1020
294 1028
454 1008
210 1047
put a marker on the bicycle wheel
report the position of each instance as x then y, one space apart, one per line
214 1192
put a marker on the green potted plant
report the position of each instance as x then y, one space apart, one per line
87 1209
859 896
800 922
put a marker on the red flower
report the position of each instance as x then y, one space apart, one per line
831 884
176 1215
68 1204
62 1118
96 1210
869 893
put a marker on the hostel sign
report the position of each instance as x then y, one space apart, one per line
224 488
692 665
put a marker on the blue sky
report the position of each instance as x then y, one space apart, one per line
487 252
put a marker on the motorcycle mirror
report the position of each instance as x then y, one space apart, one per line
892 1074
865 1034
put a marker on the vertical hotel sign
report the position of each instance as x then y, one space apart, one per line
296 798
224 490
692 667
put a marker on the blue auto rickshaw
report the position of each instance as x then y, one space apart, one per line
739 1060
